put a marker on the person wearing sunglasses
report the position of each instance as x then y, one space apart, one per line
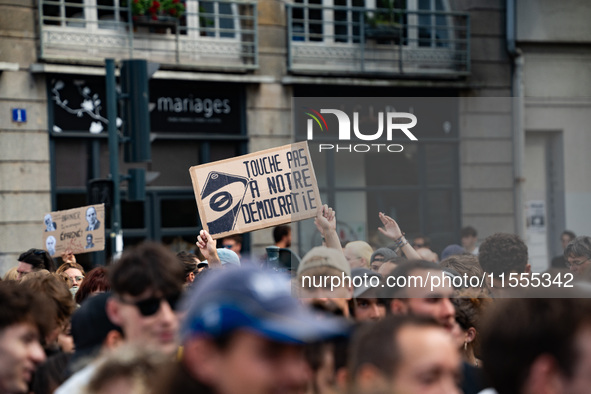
578 255
146 284
232 242
243 332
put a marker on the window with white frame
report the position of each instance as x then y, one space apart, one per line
434 27
307 21
347 20
423 22
64 12
218 19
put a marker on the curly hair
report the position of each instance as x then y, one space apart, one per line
463 264
503 253
470 305
578 247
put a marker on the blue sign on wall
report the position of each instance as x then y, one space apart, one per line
19 115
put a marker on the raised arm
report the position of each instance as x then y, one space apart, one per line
68 256
207 246
392 231
326 223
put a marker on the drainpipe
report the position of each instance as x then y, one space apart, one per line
517 93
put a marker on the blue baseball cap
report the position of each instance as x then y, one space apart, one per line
226 256
256 300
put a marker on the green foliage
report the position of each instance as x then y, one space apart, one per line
158 8
386 13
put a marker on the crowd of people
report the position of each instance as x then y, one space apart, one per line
351 318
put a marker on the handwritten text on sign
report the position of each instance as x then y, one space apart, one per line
257 190
80 230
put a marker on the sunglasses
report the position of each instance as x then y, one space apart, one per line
150 306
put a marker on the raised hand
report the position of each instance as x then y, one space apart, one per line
325 220
68 256
390 229
207 246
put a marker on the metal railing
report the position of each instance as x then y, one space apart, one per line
220 34
358 40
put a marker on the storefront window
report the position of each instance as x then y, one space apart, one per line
190 126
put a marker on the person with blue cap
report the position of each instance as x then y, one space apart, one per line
244 333
215 258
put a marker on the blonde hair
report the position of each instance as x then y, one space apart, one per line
137 366
11 274
67 265
362 249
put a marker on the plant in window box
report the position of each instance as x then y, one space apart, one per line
385 23
205 23
157 9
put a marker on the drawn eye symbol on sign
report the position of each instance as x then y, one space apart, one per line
223 195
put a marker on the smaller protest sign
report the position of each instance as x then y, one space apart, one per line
80 230
258 190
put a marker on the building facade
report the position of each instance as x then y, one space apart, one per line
228 73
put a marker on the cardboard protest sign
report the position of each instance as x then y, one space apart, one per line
258 190
80 230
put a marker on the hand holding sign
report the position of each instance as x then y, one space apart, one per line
76 230
258 190
68 256
207 246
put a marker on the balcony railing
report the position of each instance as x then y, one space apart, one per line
219 35
390 42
